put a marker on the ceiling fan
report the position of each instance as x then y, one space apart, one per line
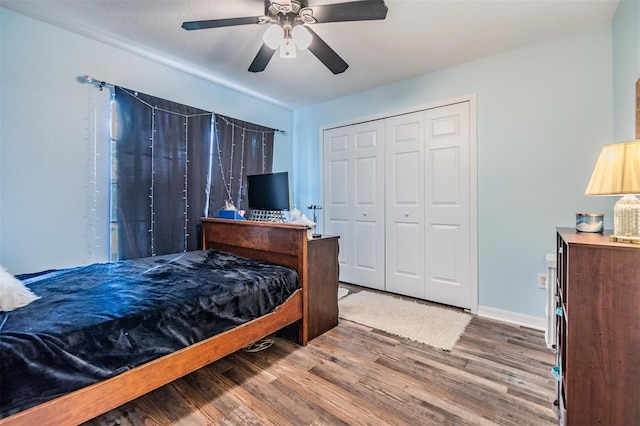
289 28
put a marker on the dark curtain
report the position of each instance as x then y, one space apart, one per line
245 149
162 152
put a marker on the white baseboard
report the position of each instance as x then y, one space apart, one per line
538 323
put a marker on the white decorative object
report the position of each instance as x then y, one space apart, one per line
295 213
304 220
13 293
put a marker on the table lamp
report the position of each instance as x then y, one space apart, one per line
617 172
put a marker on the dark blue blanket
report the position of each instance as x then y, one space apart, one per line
97 321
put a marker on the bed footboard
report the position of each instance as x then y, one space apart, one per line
281 243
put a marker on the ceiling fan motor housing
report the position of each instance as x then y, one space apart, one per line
273 7
288 12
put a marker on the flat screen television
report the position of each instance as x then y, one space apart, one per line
268 191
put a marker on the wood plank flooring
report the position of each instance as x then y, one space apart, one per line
497 374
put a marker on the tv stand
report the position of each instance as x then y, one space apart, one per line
268 216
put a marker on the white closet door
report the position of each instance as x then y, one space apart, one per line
354 200
447 201
405 251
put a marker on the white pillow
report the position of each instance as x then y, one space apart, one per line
13 294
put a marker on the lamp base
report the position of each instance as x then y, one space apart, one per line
626 219
620 239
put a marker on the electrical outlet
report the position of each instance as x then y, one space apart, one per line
542 281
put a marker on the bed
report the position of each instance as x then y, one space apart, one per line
281 244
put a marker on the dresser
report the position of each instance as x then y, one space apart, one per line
597 330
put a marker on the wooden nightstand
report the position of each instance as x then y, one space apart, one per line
323 271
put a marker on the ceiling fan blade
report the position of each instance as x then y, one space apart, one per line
217 23
326 54
366 10
262 58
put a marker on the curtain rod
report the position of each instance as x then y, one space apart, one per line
102 84
90 80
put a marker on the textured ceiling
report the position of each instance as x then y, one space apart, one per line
418 36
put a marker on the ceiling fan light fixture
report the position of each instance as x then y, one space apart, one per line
302 37
274 36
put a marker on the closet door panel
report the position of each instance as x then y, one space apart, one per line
337 193
367 138
365 193
406 170
405 205
368 204
444 169
344 230
445 246
354 200
407 262
366 260
447 210
338 183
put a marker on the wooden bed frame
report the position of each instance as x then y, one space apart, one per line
284 244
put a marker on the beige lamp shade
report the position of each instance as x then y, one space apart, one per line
617 171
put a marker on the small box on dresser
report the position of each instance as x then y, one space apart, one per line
598 329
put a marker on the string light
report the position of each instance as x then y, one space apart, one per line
92 237
239 203
264 157
226 180
186 182
113 144
233 147
227 188
228 185
153 175
155 109
207 190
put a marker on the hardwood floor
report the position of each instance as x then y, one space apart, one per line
354 375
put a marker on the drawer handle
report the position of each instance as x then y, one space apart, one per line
556 372
559 311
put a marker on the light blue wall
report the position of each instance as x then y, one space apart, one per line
626 69
544 111
45 168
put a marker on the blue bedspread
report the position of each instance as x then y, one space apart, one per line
98 321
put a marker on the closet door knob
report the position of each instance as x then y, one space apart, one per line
406 214
364 214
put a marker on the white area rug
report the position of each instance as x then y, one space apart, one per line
434 326
342 292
